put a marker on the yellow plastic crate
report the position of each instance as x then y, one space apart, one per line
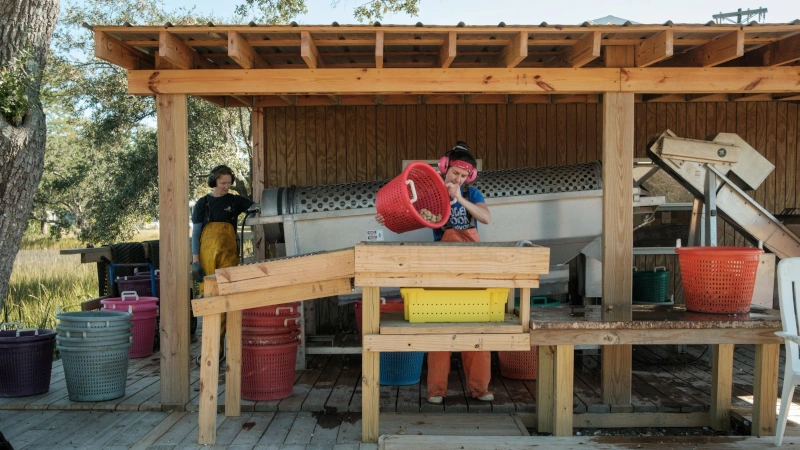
454 305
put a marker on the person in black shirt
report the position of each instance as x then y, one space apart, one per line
214 225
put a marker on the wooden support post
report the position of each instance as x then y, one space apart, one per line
257 172
765 389
563 373
233 364
544 389
209 377
447 52
379 49
618 138
721 385
173 199
370 366
525 308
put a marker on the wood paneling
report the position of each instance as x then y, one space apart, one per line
362 143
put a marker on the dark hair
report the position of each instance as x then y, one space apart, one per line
217 172
460 152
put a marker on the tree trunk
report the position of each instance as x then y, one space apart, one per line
24 25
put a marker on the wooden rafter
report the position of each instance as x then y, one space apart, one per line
654 49
698 98
470 98
309 52
663 98
515 52
778 53
528 99
751 97
447 52
727 47
109 49
243 53
172 49
379 49
584 51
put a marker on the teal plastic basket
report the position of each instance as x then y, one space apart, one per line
651 286
95 374
401 368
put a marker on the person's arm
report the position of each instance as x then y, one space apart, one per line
197 230
478 210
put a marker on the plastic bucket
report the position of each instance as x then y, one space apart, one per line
94 319
94 342
718 279
129 299
95 374
26 361
268 371
273 310
271 321
144 333
651 286
418 187
256 340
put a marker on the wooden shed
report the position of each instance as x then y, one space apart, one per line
335 104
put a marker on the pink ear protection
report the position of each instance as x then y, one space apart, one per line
445 163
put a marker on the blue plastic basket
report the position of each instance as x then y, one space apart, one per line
95 374
401 368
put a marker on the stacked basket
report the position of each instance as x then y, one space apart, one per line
94 348
142 283
270 337
26 359
397 368
145 313
524 365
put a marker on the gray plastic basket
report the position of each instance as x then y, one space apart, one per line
93 319
94 342
93 333
95 374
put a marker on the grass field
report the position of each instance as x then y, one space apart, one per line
43 280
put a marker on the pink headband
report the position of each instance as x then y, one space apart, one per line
462 165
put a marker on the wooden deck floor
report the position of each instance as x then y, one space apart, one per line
324 409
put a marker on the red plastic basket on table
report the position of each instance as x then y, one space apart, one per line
718 279
418 187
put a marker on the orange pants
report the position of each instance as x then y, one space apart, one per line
477 365
477 368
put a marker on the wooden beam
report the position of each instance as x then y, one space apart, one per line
729 46
447 52
654 49
288 99
444 99
309 52
751 97
370 366
721 384
233 364
789 98
620 337
240 51
109 49
379 50
448 343
584 51
209 376
721 80
522 99
399 81
272 296
176 52
258 174
663 98
244 102
778 53
618 140
707 98
575 98
515 52
765 389
173 196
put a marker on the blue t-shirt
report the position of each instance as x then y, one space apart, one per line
460 219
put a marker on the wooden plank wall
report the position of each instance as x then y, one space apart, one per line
340 144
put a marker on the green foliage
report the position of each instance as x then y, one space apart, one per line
100 180
14 103
282 11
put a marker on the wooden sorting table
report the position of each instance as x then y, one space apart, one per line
438 265
556 330
372 265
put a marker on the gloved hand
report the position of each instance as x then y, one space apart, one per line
197 272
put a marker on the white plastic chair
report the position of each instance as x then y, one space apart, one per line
789 297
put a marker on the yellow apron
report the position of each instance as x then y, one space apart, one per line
217 251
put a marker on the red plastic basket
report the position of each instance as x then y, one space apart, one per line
288 320
259 340
386 306
268 371
718 279
273 310
144 333
418 187
519 365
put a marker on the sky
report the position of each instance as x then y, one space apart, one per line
512 12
